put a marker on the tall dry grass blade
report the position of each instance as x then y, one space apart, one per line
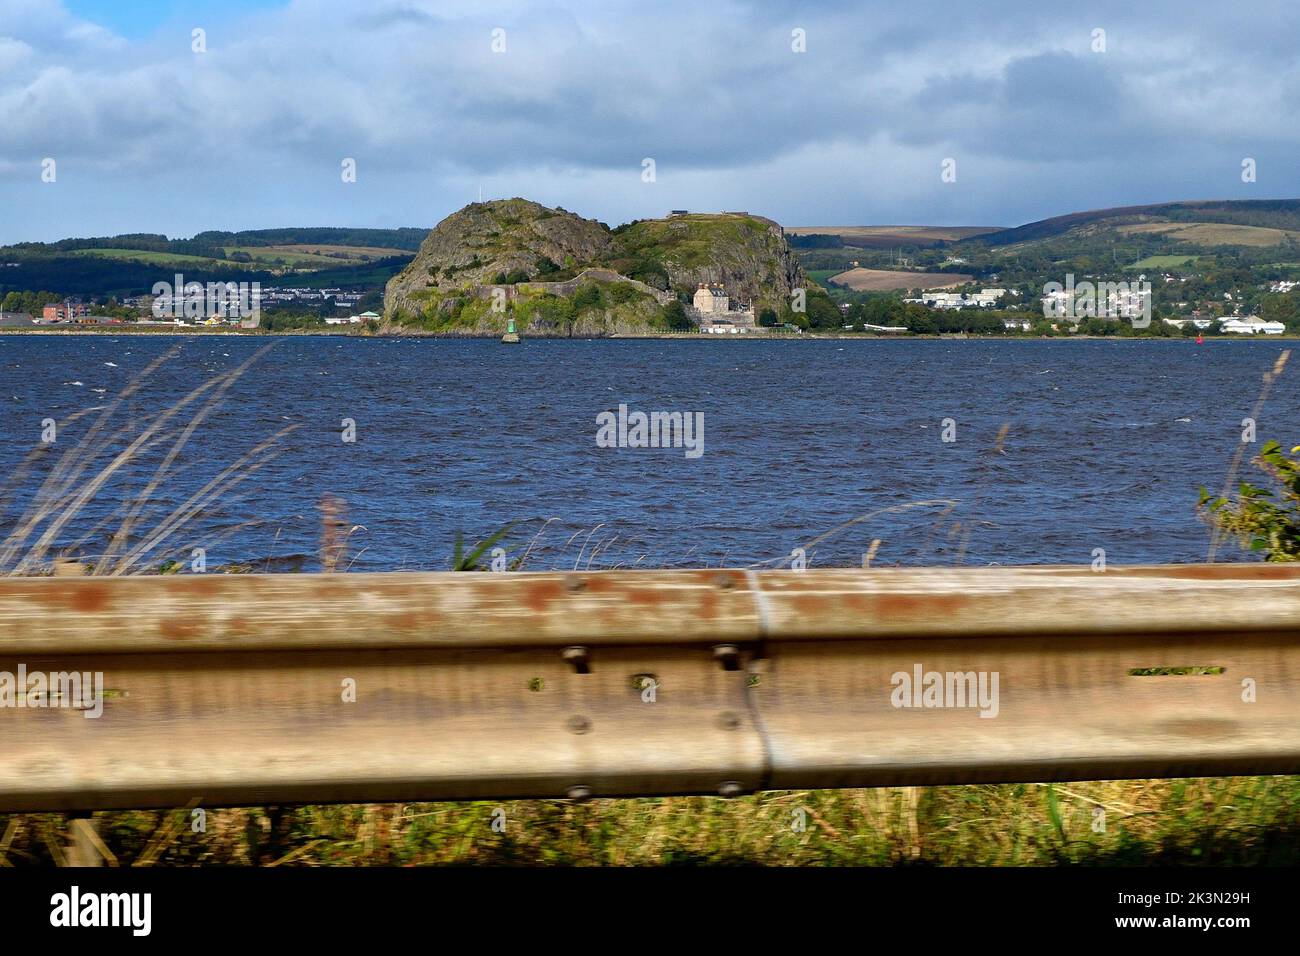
177 554
226 381
76 459
48 498
998 445
47 835
172 822
220 485
84 829
12 829
294 854
92 487
602 546
906 506
57 500
523 559
78 544
67 470
586 541
39 451
1216 532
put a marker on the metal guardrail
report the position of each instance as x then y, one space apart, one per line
264 689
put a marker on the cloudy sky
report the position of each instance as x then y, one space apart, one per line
251 130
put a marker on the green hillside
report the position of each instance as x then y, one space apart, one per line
130 264
564 274
1204 224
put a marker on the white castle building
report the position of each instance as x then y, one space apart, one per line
711 299
712 307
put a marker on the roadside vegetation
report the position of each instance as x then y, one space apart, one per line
1263 519
1231 821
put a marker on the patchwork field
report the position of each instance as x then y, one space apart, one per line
900 233
884 280
313 256
884 237
138 255
298 258
1164 262
350 252
1213 233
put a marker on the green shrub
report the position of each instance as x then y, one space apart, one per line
589 295
675 318
1263 519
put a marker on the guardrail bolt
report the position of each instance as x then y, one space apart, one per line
728 720
579 794
725 581
574 583
729 789
579 725
728 655
579 657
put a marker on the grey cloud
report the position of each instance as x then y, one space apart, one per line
412 90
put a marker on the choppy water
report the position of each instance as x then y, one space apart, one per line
1108 444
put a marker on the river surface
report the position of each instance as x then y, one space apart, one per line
1106 447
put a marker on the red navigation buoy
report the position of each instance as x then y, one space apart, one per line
1200 339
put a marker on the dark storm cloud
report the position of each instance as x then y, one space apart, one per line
854 129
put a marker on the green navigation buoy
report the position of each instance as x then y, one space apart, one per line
511 336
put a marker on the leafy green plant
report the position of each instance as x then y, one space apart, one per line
675 318
462 561
1054 814
1263 519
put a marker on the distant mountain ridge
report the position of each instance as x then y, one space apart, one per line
204 243
1280 215
130 264
1204 223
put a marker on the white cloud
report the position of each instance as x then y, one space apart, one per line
413 91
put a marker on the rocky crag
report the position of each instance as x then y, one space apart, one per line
557 273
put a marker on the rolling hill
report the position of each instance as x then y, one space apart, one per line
1190 225
886 237
1200 223
130 264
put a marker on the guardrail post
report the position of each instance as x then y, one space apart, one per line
83 849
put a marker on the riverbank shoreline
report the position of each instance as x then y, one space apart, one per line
682 336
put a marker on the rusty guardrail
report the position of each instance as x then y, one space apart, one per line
252 689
